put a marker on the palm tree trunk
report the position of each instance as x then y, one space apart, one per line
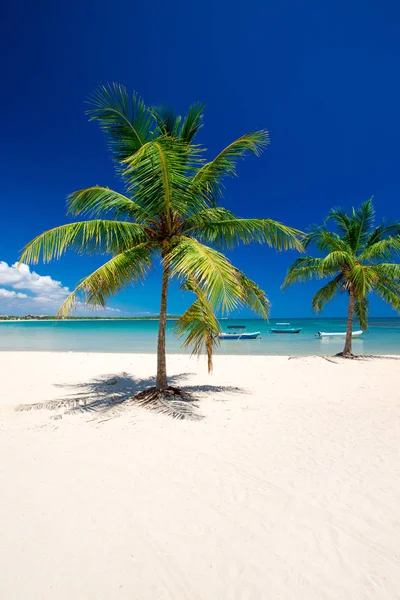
349 329
162 382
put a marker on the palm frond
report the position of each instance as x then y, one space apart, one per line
208 180
384 249
206 216
361 310
363 221
229 231
127 124
211 270
107 280
326 293
168 121
382 232
387 271
253 296
192 123
341 220
98 200
338 260
306 268
157 175
325 240
97 236
362 279
389 292
198 325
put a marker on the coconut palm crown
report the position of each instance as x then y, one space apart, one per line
359 259
170 210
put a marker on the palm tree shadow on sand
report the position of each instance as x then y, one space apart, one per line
108 396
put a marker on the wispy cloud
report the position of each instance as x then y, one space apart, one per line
45 293
11 294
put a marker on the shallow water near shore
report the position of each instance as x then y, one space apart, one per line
382 337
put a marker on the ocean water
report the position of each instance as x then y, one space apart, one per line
382 337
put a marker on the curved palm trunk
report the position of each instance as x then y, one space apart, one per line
162 382
349 329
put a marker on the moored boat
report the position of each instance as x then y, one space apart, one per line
327 334
285 328
239 333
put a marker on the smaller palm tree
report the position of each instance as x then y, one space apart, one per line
359 260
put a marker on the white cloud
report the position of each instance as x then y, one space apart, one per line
23 278
46 293
10 294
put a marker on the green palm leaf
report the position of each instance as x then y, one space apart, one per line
363 221
198 326
211 270
168 121
97 236
385 249
306 268
338 259
157 174
208 179
253 296
382 232
98 200
362 279
389 292
226 230
192 123
326 293
361 310
342 221
387 272
127 124
107 280
325 240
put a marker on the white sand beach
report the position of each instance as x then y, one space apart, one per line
282 482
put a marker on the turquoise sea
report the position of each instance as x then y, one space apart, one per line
383 337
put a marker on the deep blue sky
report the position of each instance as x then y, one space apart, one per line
323 78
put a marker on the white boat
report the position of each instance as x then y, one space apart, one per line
325 334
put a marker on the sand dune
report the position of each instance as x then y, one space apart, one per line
281 482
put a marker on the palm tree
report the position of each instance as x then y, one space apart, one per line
357 262
170 210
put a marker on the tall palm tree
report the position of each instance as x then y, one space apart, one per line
358 261
170 210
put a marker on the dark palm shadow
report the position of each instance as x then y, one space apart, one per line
109 395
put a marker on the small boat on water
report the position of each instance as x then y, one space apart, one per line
327 334
285 328
239 333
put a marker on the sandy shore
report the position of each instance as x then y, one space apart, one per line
282 482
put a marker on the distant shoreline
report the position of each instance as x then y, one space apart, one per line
22 320
75 320
175 318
